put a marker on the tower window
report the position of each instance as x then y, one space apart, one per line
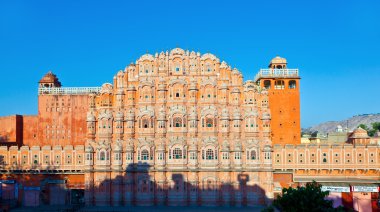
292 84
267 84
279 84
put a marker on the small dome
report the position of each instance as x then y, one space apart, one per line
360 130
278 60
359 133
177 51
50 78
148 57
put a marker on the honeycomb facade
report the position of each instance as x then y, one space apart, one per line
184 118
177 128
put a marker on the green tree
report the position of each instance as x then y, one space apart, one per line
375 126
364 127
370 132
309 198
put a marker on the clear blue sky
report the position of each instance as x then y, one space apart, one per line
335 44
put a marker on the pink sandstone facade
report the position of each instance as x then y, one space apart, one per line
176 128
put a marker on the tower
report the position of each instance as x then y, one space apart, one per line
50 80
61 112
282 85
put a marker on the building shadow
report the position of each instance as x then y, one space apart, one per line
37 185
138 185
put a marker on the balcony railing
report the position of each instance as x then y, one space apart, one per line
68 91
276 73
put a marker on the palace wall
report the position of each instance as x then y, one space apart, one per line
30 130
11 129
61 120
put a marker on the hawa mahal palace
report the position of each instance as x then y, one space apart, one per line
177 128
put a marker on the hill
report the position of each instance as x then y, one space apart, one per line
350 123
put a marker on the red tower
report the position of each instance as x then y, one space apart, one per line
284 100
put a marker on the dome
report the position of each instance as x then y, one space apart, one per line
148 57
359 133
277 60
177 51
50 78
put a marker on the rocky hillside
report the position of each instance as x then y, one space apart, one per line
352 123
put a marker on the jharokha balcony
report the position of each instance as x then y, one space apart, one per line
287 73
67 90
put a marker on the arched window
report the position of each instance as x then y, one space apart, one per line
209 122
209 154
145 122
102 155
177 153
208 67
292 84
267 84
88 156
253 155
145 155
177 122
279 84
